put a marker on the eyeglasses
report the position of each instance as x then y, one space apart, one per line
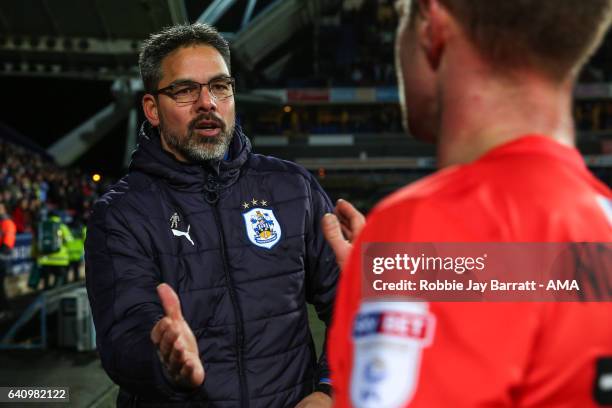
187 92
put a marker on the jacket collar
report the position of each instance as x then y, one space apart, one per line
150 158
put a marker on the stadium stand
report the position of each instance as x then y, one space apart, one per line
32 185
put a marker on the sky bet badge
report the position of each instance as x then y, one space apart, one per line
389 338
262 227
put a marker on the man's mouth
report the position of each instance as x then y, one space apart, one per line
208 128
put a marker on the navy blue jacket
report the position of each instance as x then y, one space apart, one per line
240 242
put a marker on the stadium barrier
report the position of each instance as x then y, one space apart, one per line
21 260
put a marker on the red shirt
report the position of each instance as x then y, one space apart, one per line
7 232
483 354
18 217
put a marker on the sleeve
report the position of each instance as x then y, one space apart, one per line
322 270
121 280
349 299
340 345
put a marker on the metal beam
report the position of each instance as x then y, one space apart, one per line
215 11
130 140
52 19
178 11
107 34
248 13
268 30
6 27
56 72
73 45
273 71
275 25
79 140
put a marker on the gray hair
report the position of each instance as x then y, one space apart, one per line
161 44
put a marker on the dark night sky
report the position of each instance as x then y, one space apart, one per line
45 109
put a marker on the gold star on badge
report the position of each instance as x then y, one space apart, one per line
254 201
264 202
245 205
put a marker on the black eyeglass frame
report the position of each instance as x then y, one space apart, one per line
167 90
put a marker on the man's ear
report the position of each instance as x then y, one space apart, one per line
433 30
149 107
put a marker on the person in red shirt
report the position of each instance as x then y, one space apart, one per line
491 83
22 216
7 243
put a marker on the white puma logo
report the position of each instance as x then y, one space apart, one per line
185 234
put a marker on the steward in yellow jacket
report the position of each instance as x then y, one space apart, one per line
53 250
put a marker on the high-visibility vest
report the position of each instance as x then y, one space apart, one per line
61 257
76 246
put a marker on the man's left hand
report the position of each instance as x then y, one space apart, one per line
316 400
342 228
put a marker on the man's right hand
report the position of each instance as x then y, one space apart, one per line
176 344
341 229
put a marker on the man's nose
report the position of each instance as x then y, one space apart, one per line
206 100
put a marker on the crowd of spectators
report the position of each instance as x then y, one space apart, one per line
31 185
593 115
589 115
356 47
325 119
351 48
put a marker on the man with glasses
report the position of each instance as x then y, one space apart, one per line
201 260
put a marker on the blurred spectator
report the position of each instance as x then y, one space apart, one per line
54 240
328 119
7 243
76 249
22 217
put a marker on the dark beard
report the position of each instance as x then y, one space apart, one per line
196 148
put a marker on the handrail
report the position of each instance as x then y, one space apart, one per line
45 303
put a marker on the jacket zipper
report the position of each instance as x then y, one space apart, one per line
244 400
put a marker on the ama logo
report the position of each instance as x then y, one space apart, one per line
262 227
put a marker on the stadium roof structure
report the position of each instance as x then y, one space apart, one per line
86 39
100 40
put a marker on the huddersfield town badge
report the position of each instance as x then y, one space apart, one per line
262 227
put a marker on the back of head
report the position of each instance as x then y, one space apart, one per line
555 37
161 44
